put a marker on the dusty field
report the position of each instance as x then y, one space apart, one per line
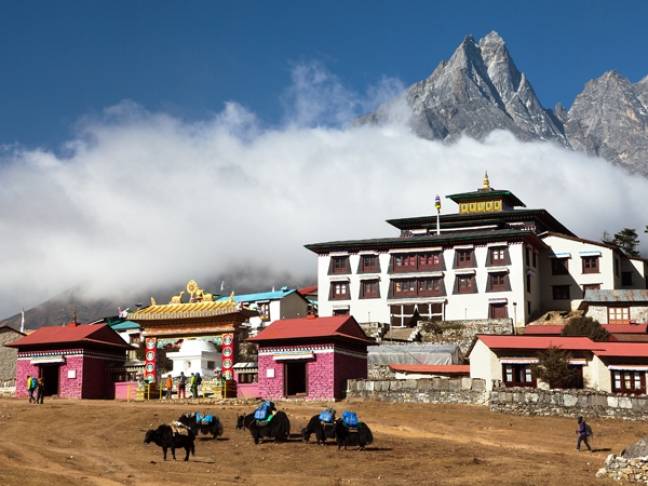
94 442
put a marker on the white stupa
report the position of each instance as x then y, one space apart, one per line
196 355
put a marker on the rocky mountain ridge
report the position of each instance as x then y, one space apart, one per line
480 89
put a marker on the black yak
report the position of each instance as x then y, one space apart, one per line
352 436
321 430
214 427
277 428
167 438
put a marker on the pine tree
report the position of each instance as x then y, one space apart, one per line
626 240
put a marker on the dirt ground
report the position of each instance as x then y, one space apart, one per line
101 443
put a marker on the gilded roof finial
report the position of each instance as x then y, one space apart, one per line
486 182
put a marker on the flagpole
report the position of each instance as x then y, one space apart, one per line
22 321
437 205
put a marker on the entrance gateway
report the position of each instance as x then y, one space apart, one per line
201 317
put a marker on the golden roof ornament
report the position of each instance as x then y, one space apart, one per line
486 182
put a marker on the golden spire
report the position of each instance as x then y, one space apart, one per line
486 182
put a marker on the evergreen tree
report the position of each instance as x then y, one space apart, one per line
553 368
585 327
626 240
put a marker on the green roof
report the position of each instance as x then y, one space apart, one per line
125 326
511 198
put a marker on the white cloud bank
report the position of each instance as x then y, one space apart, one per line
141 199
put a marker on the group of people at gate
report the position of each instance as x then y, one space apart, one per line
195 380
35 389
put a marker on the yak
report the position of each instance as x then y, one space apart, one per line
352 436
166 438
321 430
278 428
215 427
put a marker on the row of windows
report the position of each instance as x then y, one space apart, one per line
408 315
421 287
419 262
589 264
623 381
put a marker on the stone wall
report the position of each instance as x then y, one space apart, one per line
462 332
429 390
380 372
526 401
8 357
632 470
516 401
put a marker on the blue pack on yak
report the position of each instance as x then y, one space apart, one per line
264 410
327 416
350 419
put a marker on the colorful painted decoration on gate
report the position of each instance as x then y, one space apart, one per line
150 359
227 364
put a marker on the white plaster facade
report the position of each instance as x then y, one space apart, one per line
611 266
196 355
521 303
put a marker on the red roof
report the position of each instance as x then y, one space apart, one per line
450 369
543 330
100 334
313 327
539 342
617 349
308 290
626 328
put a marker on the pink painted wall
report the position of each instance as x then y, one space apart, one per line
270 387
247 390
125 390
23 368
320 374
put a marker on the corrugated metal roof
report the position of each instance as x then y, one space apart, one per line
540 342
616 295
125 326
257 296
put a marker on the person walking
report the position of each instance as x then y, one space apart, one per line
32 384
40 391
182 386
169 387
193 384
584 431
28 387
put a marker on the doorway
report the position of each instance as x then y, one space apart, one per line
50 374
295 381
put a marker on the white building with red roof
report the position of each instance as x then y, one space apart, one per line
610 366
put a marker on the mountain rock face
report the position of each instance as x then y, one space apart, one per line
480 89
610 118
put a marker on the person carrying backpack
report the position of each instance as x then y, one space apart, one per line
32 385
584 431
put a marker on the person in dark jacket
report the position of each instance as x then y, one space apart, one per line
182 386
584 431
40 391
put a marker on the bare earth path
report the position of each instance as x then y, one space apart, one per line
101 443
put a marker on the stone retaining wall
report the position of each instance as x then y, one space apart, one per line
525 401
462 332
429 390
516 401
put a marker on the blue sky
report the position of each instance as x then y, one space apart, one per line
66 60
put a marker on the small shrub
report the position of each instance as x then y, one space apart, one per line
553 368
585 327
